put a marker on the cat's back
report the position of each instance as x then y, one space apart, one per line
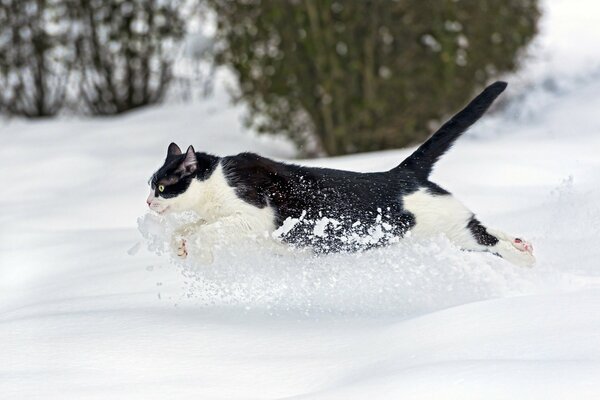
257 177
250 167
253 169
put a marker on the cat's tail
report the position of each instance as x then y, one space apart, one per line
421 162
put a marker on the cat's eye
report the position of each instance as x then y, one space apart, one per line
161 188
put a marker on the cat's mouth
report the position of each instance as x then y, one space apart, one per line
158 208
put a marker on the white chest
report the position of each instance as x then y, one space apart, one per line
214 200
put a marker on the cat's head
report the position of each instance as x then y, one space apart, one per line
169 186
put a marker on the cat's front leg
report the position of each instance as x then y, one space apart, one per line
179 247
199 242
181 237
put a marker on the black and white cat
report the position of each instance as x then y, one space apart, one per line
327 209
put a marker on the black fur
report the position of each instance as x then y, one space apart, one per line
174 179
480 233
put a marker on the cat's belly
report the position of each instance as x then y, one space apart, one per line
348 228
333 232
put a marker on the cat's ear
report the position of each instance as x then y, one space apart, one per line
173 150
189 164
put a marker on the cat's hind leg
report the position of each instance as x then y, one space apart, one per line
443 213
515 250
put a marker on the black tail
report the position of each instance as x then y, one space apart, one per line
421 162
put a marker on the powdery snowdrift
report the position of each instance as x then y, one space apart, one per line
86 311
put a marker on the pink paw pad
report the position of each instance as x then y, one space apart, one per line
523 245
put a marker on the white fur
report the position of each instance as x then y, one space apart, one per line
435 213
213 199
224 216
511 251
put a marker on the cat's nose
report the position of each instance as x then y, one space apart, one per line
148 202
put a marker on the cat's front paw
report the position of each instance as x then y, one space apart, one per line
180 247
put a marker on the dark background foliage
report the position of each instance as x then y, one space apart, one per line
120 51
125 51
36 56
366 75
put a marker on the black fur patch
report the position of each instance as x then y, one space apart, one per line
173 179
357 202
434 189
480 233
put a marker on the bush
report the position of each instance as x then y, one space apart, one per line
125 50
366 75
36 56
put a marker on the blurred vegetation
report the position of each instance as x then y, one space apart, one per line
36 56
366 75
117 54
125 50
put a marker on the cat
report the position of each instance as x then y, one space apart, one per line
324 209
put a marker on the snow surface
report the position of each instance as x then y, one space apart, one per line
87 311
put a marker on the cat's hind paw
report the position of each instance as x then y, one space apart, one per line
522 245
516 251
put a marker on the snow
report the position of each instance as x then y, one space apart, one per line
89 310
